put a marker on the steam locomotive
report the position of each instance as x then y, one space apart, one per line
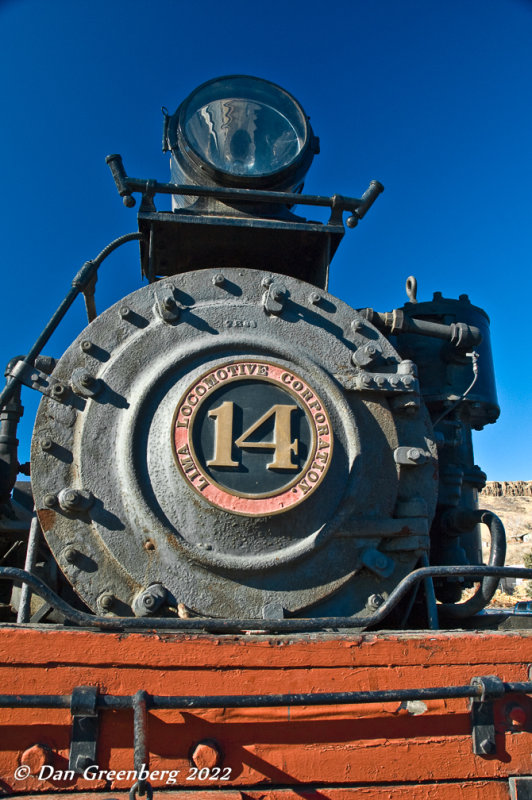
230 449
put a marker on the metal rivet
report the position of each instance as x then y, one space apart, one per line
58 390
124 312
357 325
70 554
314 298
46 444
86 346
50 500
218 279
106 601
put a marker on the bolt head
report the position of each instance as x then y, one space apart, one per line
106 601
50 500
517 716
357 325
70 555
124 312
46 444
375 601
314 298
86 379
86 346
381 562
267 281
207 754
36 757
218 279
58 390
149 601
414 454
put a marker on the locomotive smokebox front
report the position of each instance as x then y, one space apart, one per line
237 443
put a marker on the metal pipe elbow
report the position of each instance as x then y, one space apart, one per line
489 585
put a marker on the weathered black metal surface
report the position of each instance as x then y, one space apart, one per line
85 726
139 496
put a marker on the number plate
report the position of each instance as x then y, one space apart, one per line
252 438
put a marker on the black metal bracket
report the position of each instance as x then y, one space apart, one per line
520 788
482 717
34 378
85 726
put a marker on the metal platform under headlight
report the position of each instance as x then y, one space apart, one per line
180 242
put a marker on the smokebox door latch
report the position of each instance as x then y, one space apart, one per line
85 726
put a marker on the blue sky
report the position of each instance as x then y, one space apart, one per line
431 97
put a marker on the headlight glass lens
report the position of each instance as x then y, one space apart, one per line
244 126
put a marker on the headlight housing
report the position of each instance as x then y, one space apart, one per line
241 131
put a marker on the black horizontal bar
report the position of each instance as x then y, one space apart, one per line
126 185
214 625
167 702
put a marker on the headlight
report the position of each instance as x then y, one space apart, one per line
241 131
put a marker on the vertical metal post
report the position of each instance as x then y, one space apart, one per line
24 608
141 757
430 596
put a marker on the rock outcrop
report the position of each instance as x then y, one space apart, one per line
507 489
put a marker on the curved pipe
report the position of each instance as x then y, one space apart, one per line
489 584
79 283
290 625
